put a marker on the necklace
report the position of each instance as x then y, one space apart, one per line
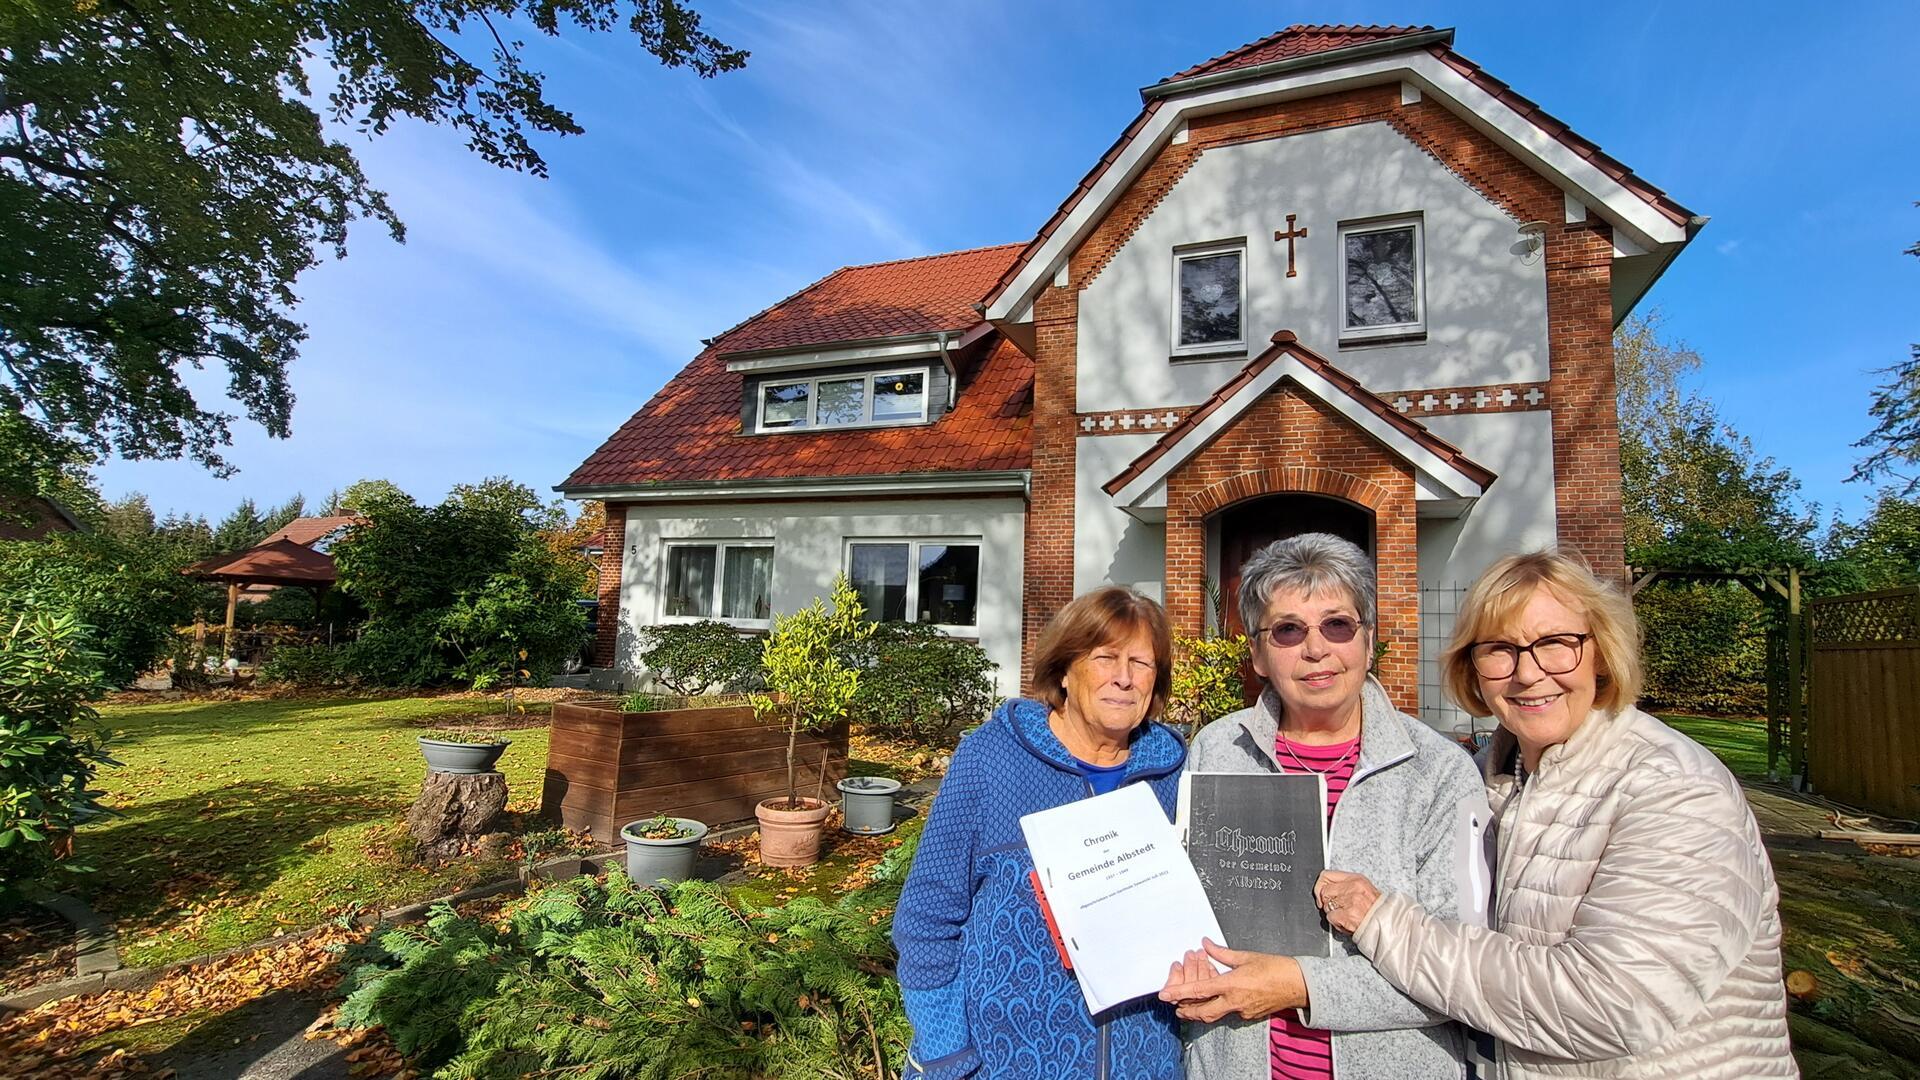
1287 745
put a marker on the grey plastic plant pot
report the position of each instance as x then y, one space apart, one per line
866 804
662 862
458 757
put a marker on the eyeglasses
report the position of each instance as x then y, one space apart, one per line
1555 654
1285 635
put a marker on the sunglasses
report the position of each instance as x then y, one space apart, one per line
1337 631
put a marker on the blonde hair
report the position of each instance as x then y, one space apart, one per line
1493 605
1104 616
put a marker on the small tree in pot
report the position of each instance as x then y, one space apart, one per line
809 688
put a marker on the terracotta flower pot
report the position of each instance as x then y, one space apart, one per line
791 837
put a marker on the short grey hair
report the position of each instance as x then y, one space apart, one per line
1315 564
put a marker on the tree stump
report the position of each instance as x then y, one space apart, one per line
455 810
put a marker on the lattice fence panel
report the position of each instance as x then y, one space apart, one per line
1893 615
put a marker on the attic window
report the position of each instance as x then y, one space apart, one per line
864 400
1210 292
1380 269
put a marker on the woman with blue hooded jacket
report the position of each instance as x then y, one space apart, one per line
983 983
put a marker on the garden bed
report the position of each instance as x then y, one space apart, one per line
606 767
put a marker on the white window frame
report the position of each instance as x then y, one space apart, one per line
914 543
719 579
1396 331
1201 251
866 403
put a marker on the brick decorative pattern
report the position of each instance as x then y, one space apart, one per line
1289 426
613 538
1130 421
1450 400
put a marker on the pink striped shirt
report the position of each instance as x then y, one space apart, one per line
1299 1052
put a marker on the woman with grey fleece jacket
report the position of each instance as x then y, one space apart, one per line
1395 790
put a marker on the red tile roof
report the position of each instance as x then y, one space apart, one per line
1295 41
690 432
879 300
1285 343
308 530
276 562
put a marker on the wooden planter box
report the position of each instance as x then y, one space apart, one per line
606 768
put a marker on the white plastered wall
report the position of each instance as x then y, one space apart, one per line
1111 546
1486 299
809 548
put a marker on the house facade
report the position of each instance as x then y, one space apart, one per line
1339 279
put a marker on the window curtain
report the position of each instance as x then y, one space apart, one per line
746 587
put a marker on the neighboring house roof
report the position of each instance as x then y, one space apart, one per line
924 295
308 530
1298 43
276 562
690 432
1287 359
36 517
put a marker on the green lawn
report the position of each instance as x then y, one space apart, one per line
237 819
1740 744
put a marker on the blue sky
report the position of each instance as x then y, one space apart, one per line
525 319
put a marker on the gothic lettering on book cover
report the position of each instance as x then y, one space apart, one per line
1258 843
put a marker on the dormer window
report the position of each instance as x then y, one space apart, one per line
1210 294
864 400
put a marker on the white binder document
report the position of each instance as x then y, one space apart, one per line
1122 892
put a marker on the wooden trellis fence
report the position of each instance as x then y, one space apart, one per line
1864 745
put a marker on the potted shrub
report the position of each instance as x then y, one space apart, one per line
661 849
463 751
808 687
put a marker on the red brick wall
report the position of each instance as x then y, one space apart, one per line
1333 459
612 556
1049 539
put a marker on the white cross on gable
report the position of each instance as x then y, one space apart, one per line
1106 423
1534 396
1149 420
1086 424
1454 401
1169 419
1402 404
1480 399
1507 396
1126 421
1429 402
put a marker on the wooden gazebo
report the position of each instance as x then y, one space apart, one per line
276 562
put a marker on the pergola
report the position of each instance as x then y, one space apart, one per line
1786 676
278 562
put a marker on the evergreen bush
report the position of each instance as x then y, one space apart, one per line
706 657
51 742
917 682
1704 648
125 599
609 979
306 666
1206 681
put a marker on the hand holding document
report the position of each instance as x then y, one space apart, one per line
1121 890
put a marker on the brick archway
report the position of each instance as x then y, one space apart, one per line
1288 425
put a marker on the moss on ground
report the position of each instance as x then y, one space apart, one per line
236 819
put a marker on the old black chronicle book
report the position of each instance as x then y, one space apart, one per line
1258 842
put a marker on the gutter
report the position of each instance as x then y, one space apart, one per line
1347 54
1694 225
1002 482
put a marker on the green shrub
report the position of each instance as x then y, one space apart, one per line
609 979
1207 684
1705 648
127 600
917 682
51 742
306 665
705 657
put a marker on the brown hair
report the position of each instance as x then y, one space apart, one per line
1106 615
1494 604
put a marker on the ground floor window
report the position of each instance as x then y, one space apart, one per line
929 581
728 580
